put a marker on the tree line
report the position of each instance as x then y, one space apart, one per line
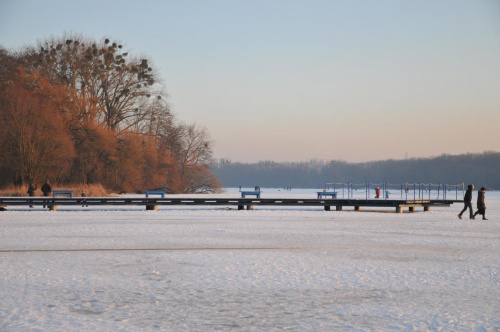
77 110
480 169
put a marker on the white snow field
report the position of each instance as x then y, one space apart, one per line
213 269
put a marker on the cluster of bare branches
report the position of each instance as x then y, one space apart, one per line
76 110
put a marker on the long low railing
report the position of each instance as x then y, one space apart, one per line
406 190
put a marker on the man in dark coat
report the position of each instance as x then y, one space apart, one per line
481 206
46 188
468 202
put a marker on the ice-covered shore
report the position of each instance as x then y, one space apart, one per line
194 269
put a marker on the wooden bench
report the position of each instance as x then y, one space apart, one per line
251 193
155 192
325 194
62 192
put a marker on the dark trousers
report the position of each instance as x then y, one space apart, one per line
467 205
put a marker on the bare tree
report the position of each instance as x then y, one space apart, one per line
191 147
118 90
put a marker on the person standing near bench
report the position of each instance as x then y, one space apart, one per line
481 206
468 202
46 189
31 191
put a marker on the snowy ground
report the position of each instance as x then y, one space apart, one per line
199 269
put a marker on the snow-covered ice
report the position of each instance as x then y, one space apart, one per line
205 269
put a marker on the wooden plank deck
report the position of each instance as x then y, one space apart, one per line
241 203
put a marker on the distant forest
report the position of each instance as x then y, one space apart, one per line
480 169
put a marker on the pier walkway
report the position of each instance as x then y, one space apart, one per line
241 203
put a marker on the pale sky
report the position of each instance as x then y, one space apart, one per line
289 80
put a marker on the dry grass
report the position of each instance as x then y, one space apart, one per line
92 190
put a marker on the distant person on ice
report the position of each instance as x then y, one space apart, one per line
468 202
481 206
46 188
377 192
31 191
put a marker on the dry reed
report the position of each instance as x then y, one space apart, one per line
90 190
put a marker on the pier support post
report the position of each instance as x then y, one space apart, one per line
427 208
399 209
411 209
152 207
357 208
241 207
249 207
327 207
53 207
338 208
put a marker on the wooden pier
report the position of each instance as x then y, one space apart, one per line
241 203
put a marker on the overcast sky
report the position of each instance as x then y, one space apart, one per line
288 80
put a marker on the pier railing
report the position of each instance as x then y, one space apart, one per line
405 190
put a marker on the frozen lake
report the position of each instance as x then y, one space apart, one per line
199 269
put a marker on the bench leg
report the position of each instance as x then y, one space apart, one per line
327 207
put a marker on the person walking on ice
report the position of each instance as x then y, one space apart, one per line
481 206
468 202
